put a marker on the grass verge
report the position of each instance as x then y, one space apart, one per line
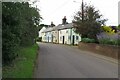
23 66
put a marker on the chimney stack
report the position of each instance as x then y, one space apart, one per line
52 24
64 20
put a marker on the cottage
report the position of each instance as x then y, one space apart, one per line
47 35
63 34
40 32
55 35
67 34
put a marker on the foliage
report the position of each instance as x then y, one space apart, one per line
119 26
108 29
109 41
39 39
19 27
88 40
23 65
91 23
42 25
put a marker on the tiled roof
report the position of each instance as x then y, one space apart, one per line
59 27
66 26
48 29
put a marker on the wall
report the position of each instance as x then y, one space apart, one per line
48 36
40 32
68 36
55 36
43 37
61 34
75 34
106 50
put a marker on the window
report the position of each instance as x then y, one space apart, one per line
77 37
69 37
66 31
61 38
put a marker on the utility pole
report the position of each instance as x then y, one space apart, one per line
82 11
82 7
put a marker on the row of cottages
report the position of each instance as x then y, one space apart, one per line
63 34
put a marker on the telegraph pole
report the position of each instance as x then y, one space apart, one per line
82 11
82 7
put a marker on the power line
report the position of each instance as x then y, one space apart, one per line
61 6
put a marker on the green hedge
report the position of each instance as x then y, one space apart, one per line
88 40
109 41
39 39
22 66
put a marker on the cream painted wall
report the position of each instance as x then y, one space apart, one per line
40 32
55 36
68 36
58 36
61 34
43 37
75 34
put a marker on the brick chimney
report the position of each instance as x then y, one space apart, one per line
52 24
64 20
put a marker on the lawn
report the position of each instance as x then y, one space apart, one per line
23 66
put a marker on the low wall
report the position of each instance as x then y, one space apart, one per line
106 50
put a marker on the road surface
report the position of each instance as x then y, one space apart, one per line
62 61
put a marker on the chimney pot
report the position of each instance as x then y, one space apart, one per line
64 20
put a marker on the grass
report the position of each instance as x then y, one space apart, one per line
24 65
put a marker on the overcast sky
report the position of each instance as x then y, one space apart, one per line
55 10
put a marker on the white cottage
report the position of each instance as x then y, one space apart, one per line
63 34
67 34
40 32
47 35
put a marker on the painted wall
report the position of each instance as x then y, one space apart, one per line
77 37
68 36
40 32
65 36
55 36
62 36
44 37
49 37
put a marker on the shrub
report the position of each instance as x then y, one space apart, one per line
39 39
109 41
88 40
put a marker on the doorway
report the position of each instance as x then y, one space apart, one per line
63 39
73 40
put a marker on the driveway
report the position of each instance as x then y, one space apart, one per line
62 61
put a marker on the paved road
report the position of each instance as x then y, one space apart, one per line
62 61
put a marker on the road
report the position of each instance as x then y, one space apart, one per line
62 61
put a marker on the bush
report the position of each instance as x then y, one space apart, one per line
109 41
39 39
20 23
88 40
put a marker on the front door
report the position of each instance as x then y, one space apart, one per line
63 39
48 38
73 40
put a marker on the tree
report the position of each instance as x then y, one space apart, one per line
91 24
109 29
119 26
19 28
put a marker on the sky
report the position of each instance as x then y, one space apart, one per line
55 10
